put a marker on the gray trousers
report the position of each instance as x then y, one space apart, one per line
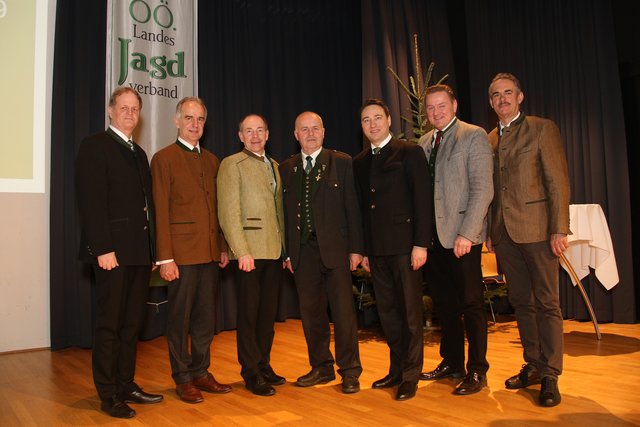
191 314
531 270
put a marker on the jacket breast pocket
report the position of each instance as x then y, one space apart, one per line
252 223
533 202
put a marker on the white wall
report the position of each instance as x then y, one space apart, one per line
24 217
24 271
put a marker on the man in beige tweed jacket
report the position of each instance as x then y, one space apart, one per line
251 216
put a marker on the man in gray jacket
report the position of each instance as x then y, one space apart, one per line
460 162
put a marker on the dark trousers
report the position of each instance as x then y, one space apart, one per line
191 314
258 294
320 288
458 297
531 270
398 292
121 296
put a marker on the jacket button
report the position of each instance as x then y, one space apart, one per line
373 206
373 190
145 228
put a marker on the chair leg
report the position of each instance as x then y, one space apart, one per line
493 315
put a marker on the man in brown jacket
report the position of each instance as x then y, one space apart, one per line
529 227
190 247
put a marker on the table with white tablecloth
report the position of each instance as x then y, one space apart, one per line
590 247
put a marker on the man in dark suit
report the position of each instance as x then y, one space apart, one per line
324 243
529 227
115 204
190 249
461 164
396 201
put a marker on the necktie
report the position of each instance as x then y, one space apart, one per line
436 144
376 150
130 144
195 150
308 166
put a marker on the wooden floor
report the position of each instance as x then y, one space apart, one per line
600 387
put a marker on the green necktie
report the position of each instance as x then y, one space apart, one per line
309 165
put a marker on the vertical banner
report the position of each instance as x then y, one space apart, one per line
152 48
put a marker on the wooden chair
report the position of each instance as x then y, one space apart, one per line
491 276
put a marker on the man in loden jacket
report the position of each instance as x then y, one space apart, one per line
529 227
250 210
190 249
324 243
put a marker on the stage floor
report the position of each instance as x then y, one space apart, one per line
600 386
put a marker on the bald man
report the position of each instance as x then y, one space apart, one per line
324 244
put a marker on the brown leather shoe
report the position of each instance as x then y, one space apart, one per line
189 393
209 384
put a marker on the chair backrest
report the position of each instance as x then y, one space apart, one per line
489 263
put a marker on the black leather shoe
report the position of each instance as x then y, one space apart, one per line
527 376
315 376
473 383
116 408
271 377
549 393
442 371
406 390
136 395
386 382
258 386
350 384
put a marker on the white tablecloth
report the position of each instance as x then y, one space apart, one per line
590 245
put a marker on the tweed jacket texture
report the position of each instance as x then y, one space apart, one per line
463 183
531 180
250 208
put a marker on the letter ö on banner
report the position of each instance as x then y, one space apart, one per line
146 10
140 11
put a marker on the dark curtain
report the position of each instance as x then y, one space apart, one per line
77 111
388 27
564 54
626 16
279 58
276 58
